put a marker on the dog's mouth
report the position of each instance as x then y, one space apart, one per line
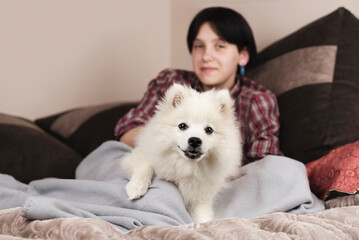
192 154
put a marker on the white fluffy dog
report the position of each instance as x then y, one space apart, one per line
193 140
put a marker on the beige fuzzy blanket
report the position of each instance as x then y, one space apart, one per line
336 223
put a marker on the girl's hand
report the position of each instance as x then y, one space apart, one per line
129 137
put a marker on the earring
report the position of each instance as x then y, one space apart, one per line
242 70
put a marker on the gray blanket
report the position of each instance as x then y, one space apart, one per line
269 185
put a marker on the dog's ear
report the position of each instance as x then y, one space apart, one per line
224 100
174 95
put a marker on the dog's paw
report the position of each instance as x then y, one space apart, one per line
136 189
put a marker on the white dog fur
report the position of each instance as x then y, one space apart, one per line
168 147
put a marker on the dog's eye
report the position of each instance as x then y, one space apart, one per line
208 130
182 126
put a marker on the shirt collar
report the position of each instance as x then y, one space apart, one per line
237 87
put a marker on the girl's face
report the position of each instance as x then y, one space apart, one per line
214 60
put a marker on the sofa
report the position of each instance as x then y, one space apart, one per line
315 75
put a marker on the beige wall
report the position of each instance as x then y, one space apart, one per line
55 55
58 54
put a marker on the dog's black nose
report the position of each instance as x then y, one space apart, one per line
194 142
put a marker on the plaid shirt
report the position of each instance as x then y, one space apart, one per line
256 108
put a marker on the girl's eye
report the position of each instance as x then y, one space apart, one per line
182 126
221 44
208 130
196 46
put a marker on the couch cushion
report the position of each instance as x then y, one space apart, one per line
28 153
84 129
314 73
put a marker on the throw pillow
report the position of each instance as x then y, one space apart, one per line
314 73
336 173
86 128
28 153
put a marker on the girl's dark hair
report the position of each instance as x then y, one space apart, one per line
227 24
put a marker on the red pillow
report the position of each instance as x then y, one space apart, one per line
338 171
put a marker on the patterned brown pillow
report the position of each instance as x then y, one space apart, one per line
28 153
314 73
84 129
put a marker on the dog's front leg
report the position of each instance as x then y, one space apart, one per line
140 181
201 212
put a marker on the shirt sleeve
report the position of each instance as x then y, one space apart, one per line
263 127
146 108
